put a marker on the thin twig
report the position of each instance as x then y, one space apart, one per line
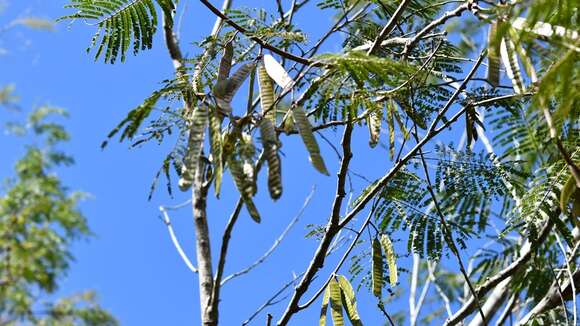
173 237
276 243
271 300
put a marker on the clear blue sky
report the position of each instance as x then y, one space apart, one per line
131 262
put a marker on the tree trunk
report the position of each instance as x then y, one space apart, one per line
209 315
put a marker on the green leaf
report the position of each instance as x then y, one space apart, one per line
194 147
335 303
377 268
349 300
118 22
391 258
270 143
305 130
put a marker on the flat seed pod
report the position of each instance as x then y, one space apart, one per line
194 147
305 130
270 143
493 55
266 94
216 149
567 192
335 303
277 73
224 90
324 308
391 259
377 268
349 301
374 120
237 79
391 111
510 61
226 62
244 187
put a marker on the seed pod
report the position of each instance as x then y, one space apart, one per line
305 130
194 147
266 94
270 143
277 73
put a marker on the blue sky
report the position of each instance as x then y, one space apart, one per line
131 262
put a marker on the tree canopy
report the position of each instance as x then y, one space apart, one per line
410 73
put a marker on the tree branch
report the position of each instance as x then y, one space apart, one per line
276 243
388 27
332 229
256 39
173 237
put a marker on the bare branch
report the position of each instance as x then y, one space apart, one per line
272 300
388 27
258 40
172 235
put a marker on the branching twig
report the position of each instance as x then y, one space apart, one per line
172 235
276 243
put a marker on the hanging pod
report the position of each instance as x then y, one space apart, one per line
216 148
266 94
244 187
377 268
305 130
224 90
493 55
194 147
374 120
270 143
277 72
391 259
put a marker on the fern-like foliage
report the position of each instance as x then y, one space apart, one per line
120 24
